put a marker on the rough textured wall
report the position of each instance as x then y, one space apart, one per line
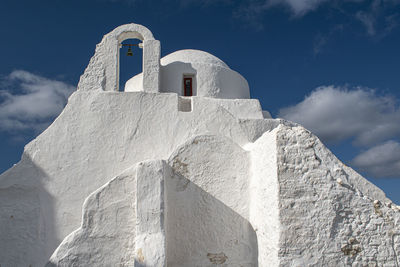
273 183
150 241
151 66
283 200
191 213
107 234
241 190
21 224
208 205
27 215
102 73
250 192
97 136
330 215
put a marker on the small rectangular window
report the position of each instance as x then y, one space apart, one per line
188 86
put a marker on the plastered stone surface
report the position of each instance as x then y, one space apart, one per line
22 222
107 234
97 136
102 73
150 238
199 181
211 76
264 197
327 211
207 222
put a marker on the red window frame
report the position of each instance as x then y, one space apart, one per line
191 86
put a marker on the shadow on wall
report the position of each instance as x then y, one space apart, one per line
203 231
137 264
27 216
172 76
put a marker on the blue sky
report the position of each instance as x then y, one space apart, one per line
332 66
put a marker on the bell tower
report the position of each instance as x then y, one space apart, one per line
103 69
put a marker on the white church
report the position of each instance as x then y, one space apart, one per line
182 169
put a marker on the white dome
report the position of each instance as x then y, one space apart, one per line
193 56
210 76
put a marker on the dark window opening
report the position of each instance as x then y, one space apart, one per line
188 86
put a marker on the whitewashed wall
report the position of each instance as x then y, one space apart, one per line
257 192
211 76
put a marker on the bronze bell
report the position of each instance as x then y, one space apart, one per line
129 53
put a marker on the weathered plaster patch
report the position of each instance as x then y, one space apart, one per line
351 248
217 258
139 256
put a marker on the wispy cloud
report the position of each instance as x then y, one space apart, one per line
321 40
338 113
369 21
252 11
30 102
297 7
380 161
379 18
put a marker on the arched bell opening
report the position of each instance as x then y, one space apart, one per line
147 61
130 60
103 70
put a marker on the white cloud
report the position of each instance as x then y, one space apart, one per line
29 101
369 21
337 113
380 161
298 7
252 11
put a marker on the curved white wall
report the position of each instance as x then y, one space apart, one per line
211 76
134 84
